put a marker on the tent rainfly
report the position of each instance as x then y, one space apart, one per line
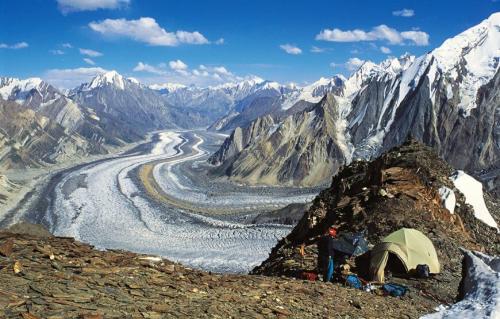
410 246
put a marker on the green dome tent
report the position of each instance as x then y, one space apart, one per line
410 246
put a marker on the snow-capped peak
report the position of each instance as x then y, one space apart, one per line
8 86
168 87
313 92
110 77
396 65
472 58
134 80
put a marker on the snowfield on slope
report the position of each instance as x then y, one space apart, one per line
473 192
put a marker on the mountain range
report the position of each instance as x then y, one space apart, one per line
283 133
448 98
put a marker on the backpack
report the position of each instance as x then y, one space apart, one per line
395 290
422 271
353 281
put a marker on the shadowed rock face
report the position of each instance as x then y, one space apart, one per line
301 149
445 99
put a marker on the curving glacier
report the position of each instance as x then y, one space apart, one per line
104 204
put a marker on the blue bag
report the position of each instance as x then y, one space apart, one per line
353 281
395 290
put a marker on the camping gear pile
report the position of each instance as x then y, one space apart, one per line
404 252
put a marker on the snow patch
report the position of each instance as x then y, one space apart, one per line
473 192
448 198
481 287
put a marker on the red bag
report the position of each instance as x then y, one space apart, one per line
309 276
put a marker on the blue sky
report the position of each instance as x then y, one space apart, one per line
208 42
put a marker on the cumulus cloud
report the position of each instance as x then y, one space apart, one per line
378 33
418 37
352 64
89 61
146 30
57 52
90 53
407 13
15 46
67 45
291 49
144 67
219 41
222 71
177 65
67 6
385 50
70 78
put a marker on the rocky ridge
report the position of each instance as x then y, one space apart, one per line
399 189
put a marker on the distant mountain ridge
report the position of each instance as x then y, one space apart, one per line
447 98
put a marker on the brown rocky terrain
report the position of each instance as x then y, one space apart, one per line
399 189
50 277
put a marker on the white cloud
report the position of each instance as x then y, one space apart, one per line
354 63
385 50
176 71
146 30
178 65
219 41
378 33
89 61
67 45
67 6
418 37
90 53
291 49
222 71
15 46
70 78
144 67
57 52
404 13
315 49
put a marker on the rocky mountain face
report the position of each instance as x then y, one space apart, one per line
399 189
127 101
28 139
447 99
278 101
44 99
302 147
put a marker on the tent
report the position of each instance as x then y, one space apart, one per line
410 246
351 244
